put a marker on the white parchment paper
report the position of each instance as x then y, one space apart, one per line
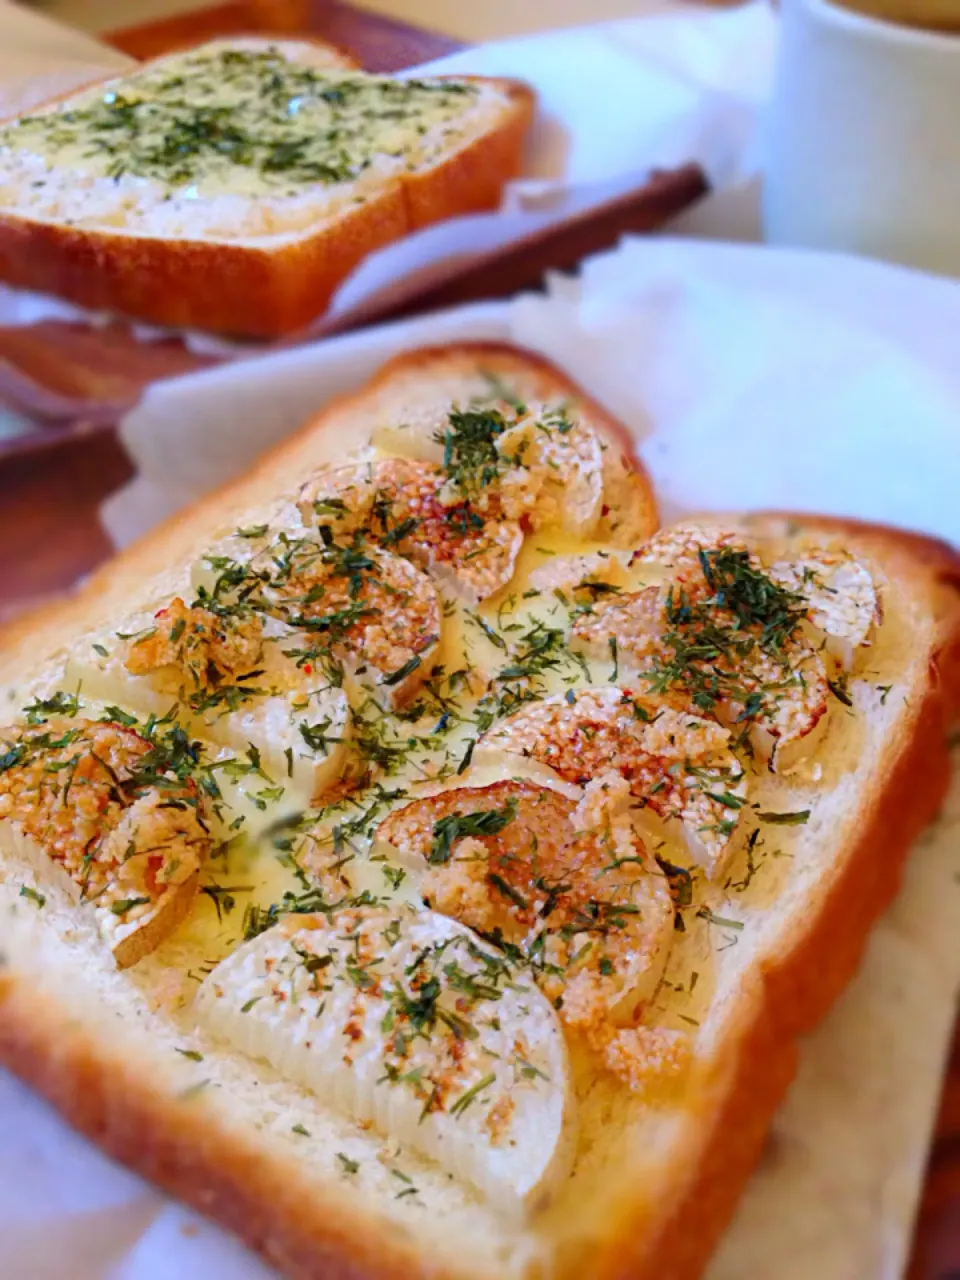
680 83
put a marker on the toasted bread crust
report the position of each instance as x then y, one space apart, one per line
253 289
178 1144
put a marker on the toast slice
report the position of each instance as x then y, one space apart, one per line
242 1115
234 186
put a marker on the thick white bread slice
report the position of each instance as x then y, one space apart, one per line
644 1172
402 1019
657 1172
230 188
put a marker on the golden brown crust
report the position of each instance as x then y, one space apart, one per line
258 290
471 180
225 287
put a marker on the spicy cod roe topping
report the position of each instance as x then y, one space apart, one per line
678 764
401 503
718 636
117 814
354 603
404 1020
202 650
569 888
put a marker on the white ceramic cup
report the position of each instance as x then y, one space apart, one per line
862 138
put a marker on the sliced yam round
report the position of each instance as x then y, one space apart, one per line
574 889
844 605
404 1020
679 547
404 504
571 574
679 765
100 806
554 474
238 682
716 634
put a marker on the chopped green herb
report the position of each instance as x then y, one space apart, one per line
485 822
796 819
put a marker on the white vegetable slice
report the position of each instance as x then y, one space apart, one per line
842 597
586 573
235 683
403 1019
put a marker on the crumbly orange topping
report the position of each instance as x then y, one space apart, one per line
404 504
89 794
351 600
718 636
203 649
679 764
